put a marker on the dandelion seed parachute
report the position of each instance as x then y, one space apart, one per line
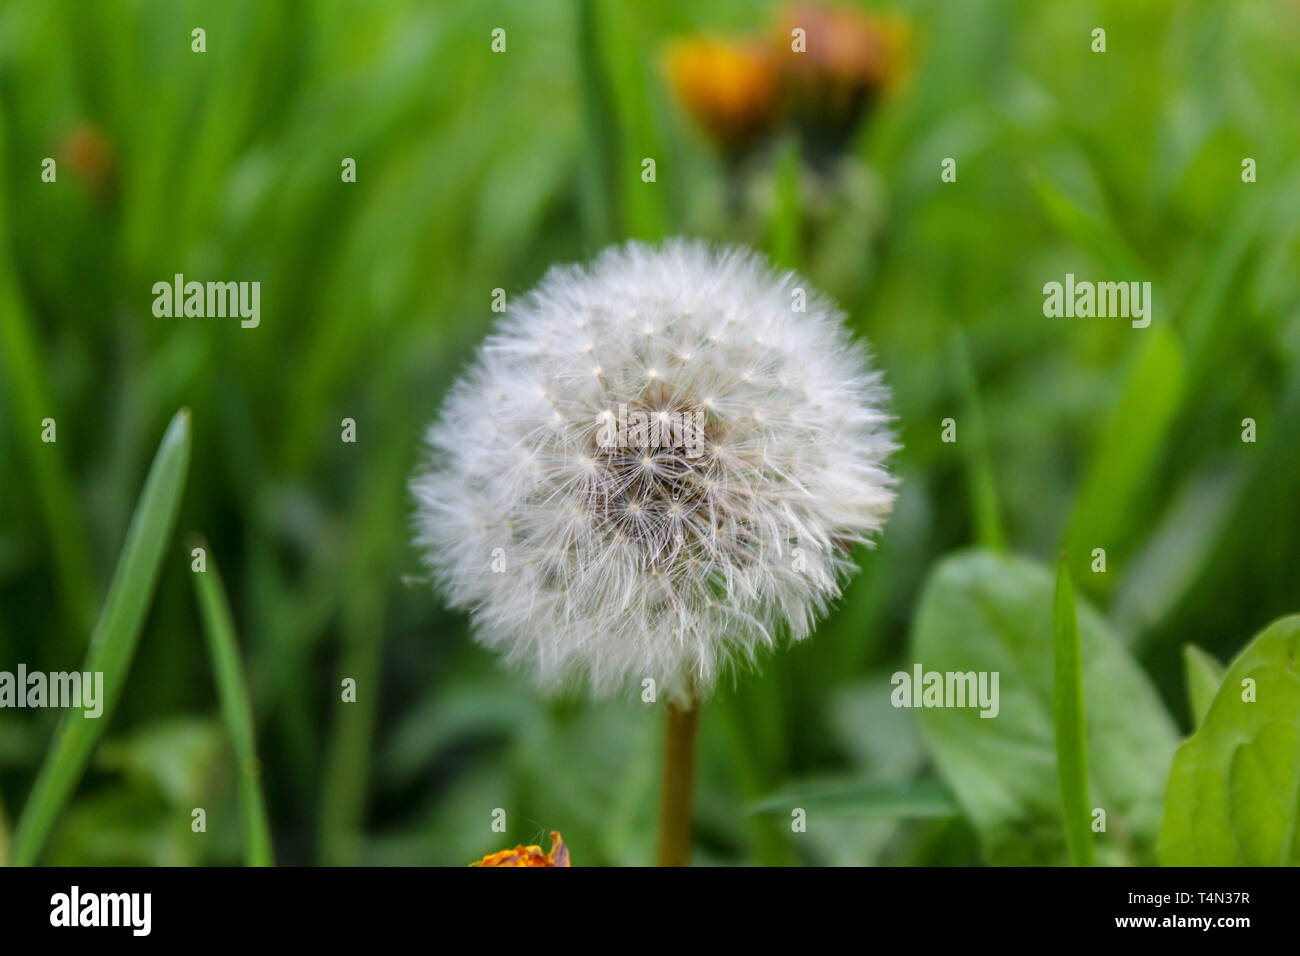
586 563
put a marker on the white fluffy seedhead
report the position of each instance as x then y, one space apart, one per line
655 465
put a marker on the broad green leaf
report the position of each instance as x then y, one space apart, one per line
1234 791
857 800
113 644
1069 717
984 612
1204 675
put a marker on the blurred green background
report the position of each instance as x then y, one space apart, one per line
475 171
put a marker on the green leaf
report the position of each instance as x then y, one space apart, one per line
114 641
236 707
984 612
1204 675
857 800
1234 791
1068 714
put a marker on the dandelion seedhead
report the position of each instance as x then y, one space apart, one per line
656 465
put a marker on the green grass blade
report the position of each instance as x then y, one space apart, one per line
236 706
373 546
766 836
1128 449
1092 231
784 227
1068 715
975 449
31 401
909 800
633 81
600 188
1204 675
114 641
4 834
348 758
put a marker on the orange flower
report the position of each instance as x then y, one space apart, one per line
729 88
530 855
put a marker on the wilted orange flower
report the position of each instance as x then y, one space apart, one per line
730 88
530 855
837 66
843 45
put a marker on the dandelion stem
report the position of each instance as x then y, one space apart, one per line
678 785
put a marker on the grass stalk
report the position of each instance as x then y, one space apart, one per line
4 835
979 467
31 402
114 641
600 189
785 226
236 707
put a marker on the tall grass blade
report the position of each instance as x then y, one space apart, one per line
1128 449
979 467
4 835
600 132
31 402
236 707
785 226
114 641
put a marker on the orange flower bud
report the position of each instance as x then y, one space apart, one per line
729 88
